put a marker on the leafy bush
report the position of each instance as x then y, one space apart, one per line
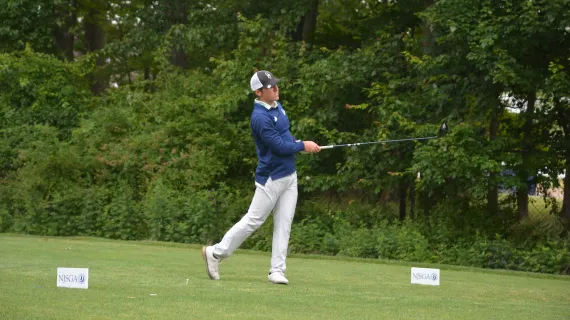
402 242
531 233
309 237
122 218
407 241
359 243
40 89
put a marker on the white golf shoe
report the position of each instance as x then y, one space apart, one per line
212 264
277 278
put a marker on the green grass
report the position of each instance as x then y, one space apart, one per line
122 275
539 209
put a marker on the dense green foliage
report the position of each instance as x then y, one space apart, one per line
130 120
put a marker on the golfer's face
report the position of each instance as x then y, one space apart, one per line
271 94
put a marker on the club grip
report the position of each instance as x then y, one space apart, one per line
326 147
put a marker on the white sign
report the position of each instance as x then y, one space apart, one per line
73 278
425 276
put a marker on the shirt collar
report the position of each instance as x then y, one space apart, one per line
266 105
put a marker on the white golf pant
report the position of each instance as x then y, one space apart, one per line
278 195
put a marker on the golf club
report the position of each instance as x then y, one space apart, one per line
442 131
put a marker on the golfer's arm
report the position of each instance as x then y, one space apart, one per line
270 136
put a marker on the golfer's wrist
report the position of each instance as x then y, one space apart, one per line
300 145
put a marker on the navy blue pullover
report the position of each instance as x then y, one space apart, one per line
276 146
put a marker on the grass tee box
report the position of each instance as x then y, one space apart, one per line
123 275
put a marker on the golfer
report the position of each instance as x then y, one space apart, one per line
275 181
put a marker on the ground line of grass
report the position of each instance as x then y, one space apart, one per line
307 256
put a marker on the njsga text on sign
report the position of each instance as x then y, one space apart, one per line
77 278
425 276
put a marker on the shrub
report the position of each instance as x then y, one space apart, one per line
403 242
359 242
308 236
40 89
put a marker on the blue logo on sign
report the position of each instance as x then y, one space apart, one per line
433 276
81 278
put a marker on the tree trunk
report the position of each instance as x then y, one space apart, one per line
64 39
564 122
522 203
427 204
94 33
428 42
493 191
566 190
177 13
412 199
403 190
522 193
308 24
179 58
146 73
95 40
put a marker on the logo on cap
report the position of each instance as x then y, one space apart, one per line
268 75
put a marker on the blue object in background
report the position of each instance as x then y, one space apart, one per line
531 188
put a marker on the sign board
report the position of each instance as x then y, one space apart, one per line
425 276
73 278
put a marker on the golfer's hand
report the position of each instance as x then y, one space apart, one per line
311 147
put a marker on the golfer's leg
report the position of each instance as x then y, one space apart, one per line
260 208
283 217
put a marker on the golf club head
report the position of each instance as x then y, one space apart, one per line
443 129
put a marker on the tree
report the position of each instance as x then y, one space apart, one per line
307 25
510 44
64 34
559 88
33 23
94 21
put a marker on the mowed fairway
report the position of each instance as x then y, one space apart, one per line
122 275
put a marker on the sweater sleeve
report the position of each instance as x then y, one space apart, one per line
266 130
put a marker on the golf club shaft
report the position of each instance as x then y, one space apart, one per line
375 142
